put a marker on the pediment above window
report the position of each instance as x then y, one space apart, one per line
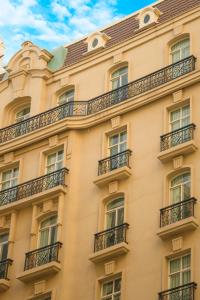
97 40
148 15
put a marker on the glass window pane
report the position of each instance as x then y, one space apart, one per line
176 194
6 175
44 237
120 216
113 150
123 147
124 79
111 219
186 277
117 287
115 203
60 154
123 136
175 265
53 237
114 140
115 83
174 280
186 111
175 56
4 252
3 238
186 261
175 115
107 288
185 121
51 159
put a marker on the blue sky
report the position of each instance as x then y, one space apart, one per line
50 23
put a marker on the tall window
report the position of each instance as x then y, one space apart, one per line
119 78
9 178
180 188
3 246
180 117
48 232
180 50
117 143
22 114
66 97
115 213
54 161
179 272
111 290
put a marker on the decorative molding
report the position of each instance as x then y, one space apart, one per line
178 162
177 244
178 96
116 122
109 267
113 187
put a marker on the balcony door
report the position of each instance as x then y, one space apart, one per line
114 218
119 79
117 145
3 253
9 179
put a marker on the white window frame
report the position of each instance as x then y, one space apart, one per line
179 50
119 77
49 228
3 243
111 210
23 116
66 97
57 161
12 178
180 184
181 269
119 143
113 293
181 116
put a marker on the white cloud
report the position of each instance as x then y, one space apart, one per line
27 19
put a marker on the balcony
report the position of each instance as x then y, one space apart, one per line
33 187
4 281
177 218
184 292
41 262
177 142
110 243
97 104
115 167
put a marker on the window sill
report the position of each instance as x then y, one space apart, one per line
110 252
182 149
4 284
118 174
181 226
41 271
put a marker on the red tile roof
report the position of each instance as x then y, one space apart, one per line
128 28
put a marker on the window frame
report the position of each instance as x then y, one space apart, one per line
118 133
119 77
114 209
180 50
24 116
181 271
103 297
49 228
68 98
4 243
181 185
56 161
10 179
180 108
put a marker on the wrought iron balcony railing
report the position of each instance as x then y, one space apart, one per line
42 256
83 108
33 187
184 292
177 137
177 212
114 162
110 237
4 265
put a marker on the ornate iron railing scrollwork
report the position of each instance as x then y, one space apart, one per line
177 137
184 292
84 108
33 187
42 256
4 265
114 162
177 212
110 237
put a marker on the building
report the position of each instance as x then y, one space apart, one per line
100 163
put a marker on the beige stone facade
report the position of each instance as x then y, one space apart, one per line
100 163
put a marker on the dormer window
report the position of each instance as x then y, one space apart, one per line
22 114
96 41
148 16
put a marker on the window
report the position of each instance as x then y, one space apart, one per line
180 117
9 178
179 272
66 97
3 246
147 18
180 188
22 114
115 213
111 290
48 232
54 161
117 143
180 50
119 78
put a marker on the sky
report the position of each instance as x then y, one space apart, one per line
52 23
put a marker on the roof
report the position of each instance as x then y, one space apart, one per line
128 28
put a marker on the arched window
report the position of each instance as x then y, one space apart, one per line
66 97
180 188
180 50
119 78
115 213
48 232
22 114
3 246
